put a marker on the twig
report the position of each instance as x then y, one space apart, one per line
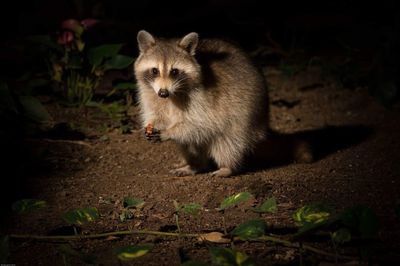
315 250
117 233
277 240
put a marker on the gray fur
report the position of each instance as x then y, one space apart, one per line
217 108
189 42
145 40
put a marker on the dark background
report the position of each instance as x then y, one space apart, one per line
306 24
366 31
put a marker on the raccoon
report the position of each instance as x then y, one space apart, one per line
205 95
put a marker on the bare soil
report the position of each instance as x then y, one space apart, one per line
355 142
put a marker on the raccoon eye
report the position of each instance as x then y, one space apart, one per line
174 72
154 71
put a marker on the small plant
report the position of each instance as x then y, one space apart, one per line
234 200
117 111
230 257
230 202
80 217
317 218
268 206
190 209
313 216
76 68
131 207
250 230
26 205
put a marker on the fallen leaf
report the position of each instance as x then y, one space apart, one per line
111 238
214 237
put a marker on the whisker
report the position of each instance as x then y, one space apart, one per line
178 84
181 80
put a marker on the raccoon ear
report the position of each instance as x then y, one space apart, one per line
145 40
189 42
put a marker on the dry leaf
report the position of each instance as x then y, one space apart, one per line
110 238
214 237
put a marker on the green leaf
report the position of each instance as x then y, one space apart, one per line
34 109
252 229
191 208
362 219
98 54
125 86
81 216
312 214
126 215
234 200
222 256
130 202
132 252
312 218
118 62
4 249
268 206
26 205
68 251
229 257
341 236
243 260
309 228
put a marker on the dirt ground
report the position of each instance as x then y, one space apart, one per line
356 144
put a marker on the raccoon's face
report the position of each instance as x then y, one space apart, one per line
167 67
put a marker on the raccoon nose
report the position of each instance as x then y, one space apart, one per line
163 93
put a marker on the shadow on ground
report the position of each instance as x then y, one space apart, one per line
305 146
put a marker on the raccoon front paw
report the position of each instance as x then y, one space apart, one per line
183 171
152 134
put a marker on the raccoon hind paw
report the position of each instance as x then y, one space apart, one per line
222 172
184 171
